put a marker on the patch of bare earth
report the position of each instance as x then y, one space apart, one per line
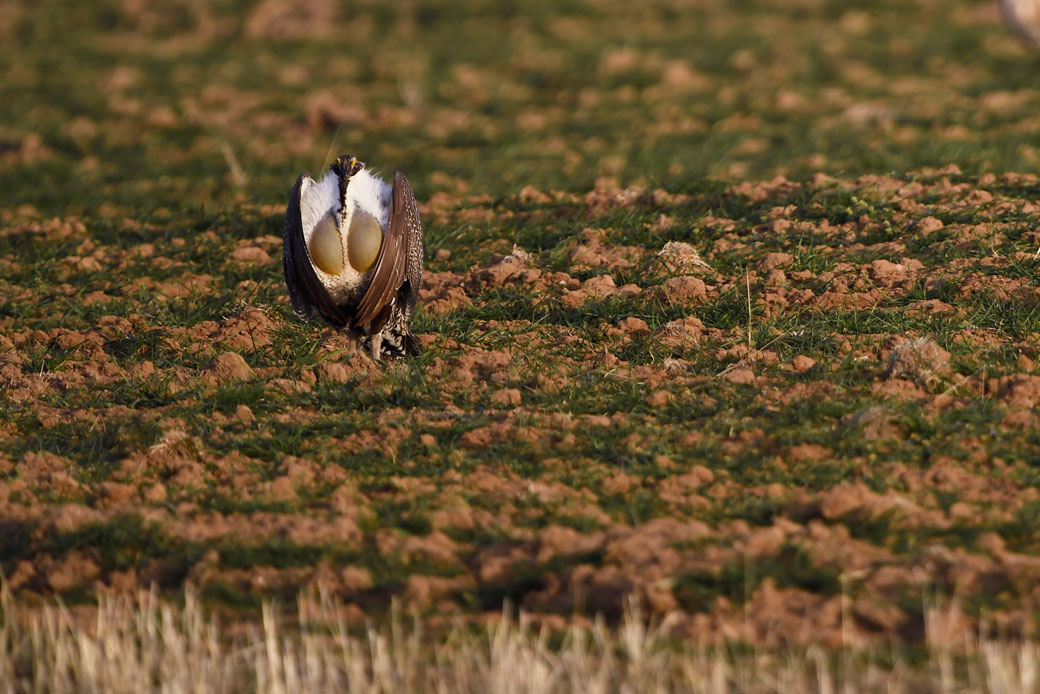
757 440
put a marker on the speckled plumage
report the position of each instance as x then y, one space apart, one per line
374 305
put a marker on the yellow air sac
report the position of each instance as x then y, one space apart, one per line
327 247
363 241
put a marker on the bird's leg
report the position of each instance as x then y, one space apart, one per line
353 340
377 343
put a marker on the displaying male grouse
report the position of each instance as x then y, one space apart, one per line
353 252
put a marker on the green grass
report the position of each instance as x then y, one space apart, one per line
121 203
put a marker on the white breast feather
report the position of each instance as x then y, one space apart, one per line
371 194
317 199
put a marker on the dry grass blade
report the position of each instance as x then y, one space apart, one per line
141 645
238 174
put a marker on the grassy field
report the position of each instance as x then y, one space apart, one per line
729 307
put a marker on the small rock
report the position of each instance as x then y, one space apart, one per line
620 483
251 255
877 615
743 376
678 290
573 299
1020 419
764 542
885 272
282 488
230 366
775 261
156 493
874 423
530 195
628 291
333 372
116 492
506 397
921 361
600 286
1019 390
72 571
356 578
23 572
244 414
802 363
929 224
636 327
808 452
659 398
663 461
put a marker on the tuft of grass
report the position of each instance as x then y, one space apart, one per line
139 643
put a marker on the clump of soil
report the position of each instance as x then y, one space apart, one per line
230 366
920 360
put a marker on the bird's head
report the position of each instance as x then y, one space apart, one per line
346 165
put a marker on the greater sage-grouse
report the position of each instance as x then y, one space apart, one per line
353 252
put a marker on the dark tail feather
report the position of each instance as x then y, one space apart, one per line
397 340
411 345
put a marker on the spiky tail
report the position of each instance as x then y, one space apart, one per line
398 341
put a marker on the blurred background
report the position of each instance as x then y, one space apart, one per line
136 104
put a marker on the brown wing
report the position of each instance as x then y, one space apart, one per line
305 289
409 214
389 274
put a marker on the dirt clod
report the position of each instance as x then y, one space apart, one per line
506 397
802 363
684 289
921 361
741 376
874 423
230 366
